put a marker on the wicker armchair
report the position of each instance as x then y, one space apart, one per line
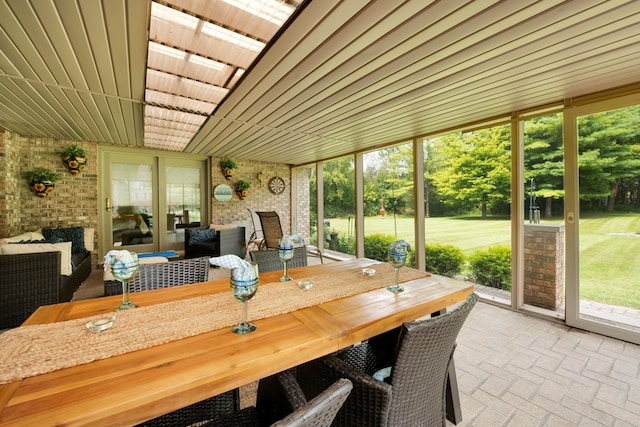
163 275
318 412
270 261
415 392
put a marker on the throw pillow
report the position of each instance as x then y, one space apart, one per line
75 235
202 235
64 248
88 239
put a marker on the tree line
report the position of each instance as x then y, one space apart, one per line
469 173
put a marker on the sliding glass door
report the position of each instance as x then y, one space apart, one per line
603 218
149 198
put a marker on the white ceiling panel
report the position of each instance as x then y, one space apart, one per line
340 76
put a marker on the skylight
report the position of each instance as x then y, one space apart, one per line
168 51
270 10
205 62
173 16
196 55
231 37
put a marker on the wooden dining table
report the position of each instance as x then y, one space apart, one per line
136 386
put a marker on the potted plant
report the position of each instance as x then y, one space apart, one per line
42 181
74 158
228 167
242 189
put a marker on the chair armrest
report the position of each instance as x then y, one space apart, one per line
292 389
367 392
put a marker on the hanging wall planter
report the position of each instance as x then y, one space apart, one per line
228 168
74 158
242 189
42 181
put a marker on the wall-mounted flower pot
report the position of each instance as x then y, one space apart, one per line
242 189
242 194
228 173
74 158
42 188
42 181
228 168
74 164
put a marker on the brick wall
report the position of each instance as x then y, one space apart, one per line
73 202
544 265
259 198
301 178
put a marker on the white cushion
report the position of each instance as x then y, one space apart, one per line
31 248
88 239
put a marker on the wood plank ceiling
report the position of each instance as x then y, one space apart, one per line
343 76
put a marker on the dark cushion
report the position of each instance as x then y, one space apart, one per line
201 235
75 235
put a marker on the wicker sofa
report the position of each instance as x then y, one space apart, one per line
214 241
40 277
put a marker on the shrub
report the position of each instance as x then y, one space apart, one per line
376 246
345 244
492 267
446 260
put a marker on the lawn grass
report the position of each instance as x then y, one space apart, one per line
609 260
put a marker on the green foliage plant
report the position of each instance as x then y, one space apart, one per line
73 151
376 246
492 267
42 174
227 164
242 185
346 245
445 260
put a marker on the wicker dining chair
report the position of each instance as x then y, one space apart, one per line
270 261
166 275
317 412
415 392
213 408
163 275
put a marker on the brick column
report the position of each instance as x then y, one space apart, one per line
544 265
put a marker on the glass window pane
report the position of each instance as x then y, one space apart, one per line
131 198
388 200
467 208
183 200
609 221
544 232
339 206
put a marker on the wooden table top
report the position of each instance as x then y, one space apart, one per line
140 385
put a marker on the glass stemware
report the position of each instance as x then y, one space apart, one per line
397 258
124 271
243 291
285 253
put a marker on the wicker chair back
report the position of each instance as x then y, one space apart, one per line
164 275
269 260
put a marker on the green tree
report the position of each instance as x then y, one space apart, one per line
339 190
544 159
609 156
478 174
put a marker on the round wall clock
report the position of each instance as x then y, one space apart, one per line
276 185
222 193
